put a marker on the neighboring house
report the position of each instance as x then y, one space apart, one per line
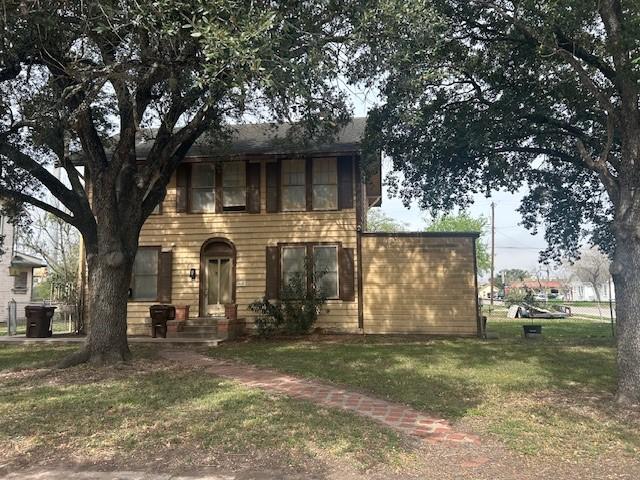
584 291
16 273
484 291
548 287
239 222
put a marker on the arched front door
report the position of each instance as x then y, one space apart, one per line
217 276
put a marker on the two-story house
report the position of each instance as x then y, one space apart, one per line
238 222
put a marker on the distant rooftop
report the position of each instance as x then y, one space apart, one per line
266 138
22 260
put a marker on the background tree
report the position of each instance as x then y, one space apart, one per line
378 221
463 222
58 243
80 81
480 95
510 275
592 268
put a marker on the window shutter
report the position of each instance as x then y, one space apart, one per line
308 182
347 274
272 290
165 264
182 187
253 187
345 182
273 187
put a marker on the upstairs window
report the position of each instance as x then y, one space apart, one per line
293 185
144 283
20 282
234 185
203 182
325 184
325 267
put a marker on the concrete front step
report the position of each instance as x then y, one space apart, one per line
204 321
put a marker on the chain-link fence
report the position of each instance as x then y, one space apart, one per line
500 312
64 321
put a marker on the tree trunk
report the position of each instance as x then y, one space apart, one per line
625 271
108 279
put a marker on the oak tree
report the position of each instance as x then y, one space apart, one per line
481 95
80 82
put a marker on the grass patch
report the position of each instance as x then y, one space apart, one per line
168 415
551 396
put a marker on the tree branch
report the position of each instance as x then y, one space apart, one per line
23 197
55 186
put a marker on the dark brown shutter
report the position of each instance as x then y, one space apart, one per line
345 182
218 188
182 184
347 274
273 187
308 182
165 264
272 290
253 187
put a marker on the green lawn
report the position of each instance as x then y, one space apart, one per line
550 396
159 413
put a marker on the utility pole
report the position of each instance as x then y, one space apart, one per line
493 248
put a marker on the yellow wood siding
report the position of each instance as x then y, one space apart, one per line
251 234
418 285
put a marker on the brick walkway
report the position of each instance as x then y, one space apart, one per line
394 415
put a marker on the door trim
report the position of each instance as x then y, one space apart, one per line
215 247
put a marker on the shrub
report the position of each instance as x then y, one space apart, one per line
294 314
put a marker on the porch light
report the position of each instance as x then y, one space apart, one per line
192 274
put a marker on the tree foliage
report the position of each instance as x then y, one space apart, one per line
480 96
510 275
378 221
463 222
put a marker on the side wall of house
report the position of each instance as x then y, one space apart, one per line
184 234
419 284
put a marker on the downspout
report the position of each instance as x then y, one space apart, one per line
360 225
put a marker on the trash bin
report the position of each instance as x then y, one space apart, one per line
160 314
39 320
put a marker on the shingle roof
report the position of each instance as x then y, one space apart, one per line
268 139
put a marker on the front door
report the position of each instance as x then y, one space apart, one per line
218 284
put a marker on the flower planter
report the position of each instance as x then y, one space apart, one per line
182 313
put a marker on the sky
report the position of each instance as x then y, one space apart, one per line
515 246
